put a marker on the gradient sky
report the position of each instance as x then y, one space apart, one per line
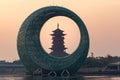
101 17
70 28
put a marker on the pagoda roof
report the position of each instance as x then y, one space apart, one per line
58 29
63 48
57 34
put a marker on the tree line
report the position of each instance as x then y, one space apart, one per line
89 62
100 61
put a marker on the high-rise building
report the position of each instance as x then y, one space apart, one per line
58 48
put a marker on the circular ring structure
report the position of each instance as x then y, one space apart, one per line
31 51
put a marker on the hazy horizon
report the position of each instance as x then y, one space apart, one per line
101 17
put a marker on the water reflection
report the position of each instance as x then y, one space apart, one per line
52 78
10 77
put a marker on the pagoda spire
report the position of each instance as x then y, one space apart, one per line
57 25
58 48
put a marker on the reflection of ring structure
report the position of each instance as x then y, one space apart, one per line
30 49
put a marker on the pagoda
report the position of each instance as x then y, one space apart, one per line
58 48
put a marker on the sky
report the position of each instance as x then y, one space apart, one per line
101 17
70 28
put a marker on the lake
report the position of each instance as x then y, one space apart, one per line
6 77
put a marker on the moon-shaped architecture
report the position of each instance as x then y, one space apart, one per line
31 52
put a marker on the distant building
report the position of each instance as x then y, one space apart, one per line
58 48
7 68
2 62
113 67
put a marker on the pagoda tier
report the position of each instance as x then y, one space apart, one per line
58 38
58 48
58 34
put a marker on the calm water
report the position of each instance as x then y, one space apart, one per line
59 78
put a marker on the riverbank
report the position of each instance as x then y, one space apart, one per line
20 70
7 77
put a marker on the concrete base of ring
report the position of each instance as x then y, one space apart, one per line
64 73
31 52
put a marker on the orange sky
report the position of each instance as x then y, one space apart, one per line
70 28
102 18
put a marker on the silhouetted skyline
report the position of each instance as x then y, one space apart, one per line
101 17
